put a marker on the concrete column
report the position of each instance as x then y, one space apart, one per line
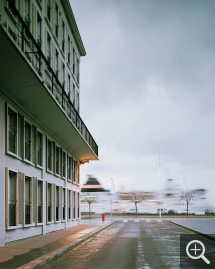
2 171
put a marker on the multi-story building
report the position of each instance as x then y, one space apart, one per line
43 140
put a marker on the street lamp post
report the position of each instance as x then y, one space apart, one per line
159 164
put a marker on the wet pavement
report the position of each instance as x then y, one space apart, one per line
129 244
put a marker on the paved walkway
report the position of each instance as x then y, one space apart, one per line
37 251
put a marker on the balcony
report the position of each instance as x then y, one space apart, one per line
27 78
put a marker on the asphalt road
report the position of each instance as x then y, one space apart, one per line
134 245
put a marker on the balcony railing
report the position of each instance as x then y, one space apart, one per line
19 31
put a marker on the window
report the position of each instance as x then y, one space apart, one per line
64 164
49 202
56 21
57 204
20 136
73 66
12 198
56 63
69 50
77 101
78 173
40 202
63 75
57 160
27 141
69 81
39 30
69 204
27 200
74 170
64 203
49 8
49 155
74 205
27 13
11 5
73 95
49 48
78 204
63 37
78 75
12 131
69 167
39 149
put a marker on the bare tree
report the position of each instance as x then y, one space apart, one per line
136 198
187 196
89 199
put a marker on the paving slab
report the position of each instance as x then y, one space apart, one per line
37 251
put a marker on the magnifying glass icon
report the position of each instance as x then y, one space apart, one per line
195 249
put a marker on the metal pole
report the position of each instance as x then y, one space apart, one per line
159 190
111 208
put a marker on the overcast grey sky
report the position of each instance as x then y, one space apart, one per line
147 90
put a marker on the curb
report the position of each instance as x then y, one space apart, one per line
196 231
47 258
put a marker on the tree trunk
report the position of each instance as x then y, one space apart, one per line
136 210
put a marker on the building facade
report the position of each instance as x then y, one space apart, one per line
43 140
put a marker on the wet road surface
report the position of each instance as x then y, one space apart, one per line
128 245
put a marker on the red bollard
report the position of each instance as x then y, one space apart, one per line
103 216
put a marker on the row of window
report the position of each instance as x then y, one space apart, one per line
25 204
68 52
26 142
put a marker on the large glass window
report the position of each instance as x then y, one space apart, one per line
74 174
49 8
40 202
78 75
56 20
12 198
49 202
49 155
74 204
57 160
69 204
39 30
63 75
63 36
73 65
69 83
27 200
27 12
39 149
63 164
64 203
56 63
69 168
57 203
27 141
49 48
69 50
12 131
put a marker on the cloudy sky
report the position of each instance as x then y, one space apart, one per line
147 90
